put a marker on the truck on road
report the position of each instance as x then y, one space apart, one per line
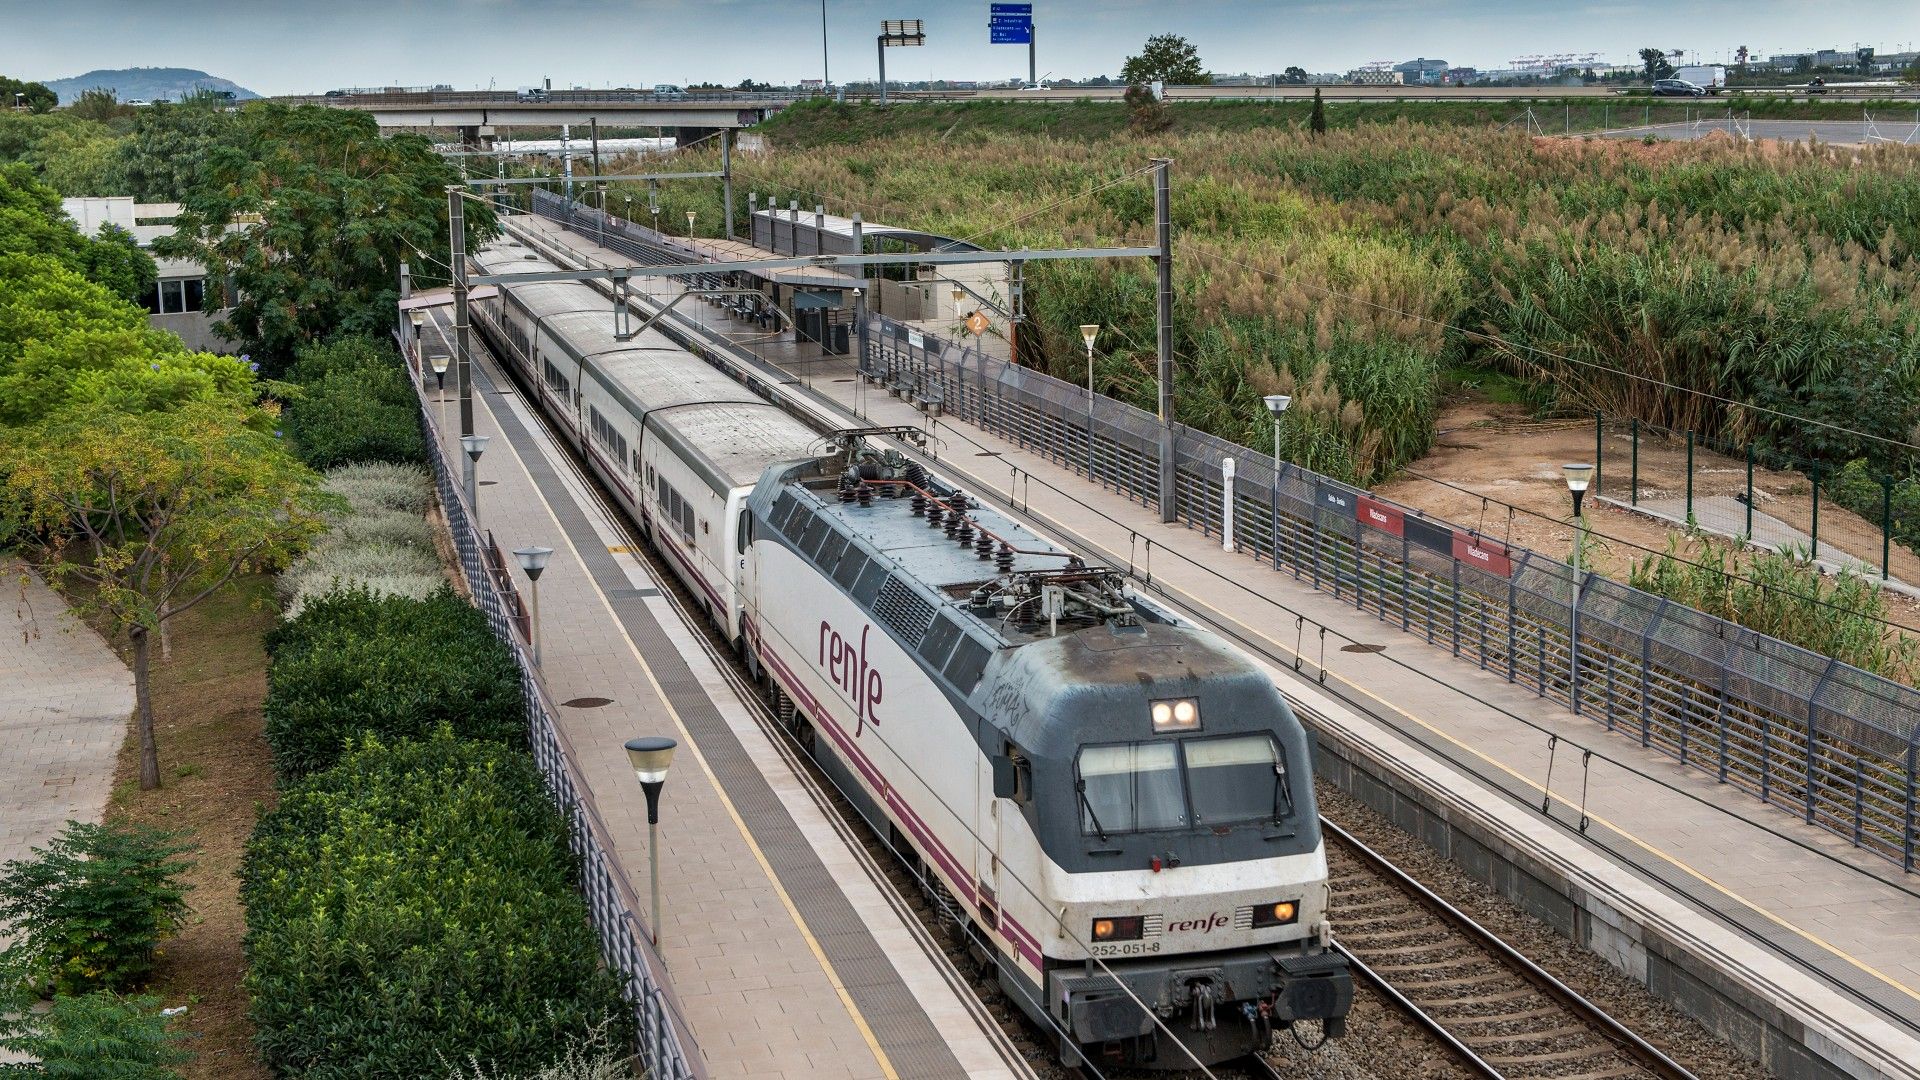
1709 77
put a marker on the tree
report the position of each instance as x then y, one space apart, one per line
1167 58
33 222
1863 59
89 911
100 1036
1803 64
99 105
172 147
152 513
1911 74
1317 121
1654 63
328 205
36 96
1296 75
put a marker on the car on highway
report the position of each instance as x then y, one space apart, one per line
1817 86
669 91
1677 88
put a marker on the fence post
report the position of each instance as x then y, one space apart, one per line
1633 495
1886 524
1598 452
1815 552
1226 502
1689 476
1749 492
1906 817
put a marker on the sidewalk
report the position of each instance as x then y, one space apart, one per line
64 702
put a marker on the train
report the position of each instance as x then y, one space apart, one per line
1116 806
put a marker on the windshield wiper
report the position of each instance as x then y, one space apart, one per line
1080 787
1281 793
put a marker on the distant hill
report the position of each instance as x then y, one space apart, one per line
144 84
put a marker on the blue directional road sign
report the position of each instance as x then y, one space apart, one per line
1010 24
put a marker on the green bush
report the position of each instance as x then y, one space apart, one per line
88 911
415 906
355 405
354 663
97 1036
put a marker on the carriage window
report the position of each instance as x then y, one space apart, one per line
1138 787
744 534
1130 788
1241 778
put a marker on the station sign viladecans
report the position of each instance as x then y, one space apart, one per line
1010 24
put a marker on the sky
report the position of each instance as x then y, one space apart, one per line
307 46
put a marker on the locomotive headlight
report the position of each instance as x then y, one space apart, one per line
1181 715
1279 913
1119 928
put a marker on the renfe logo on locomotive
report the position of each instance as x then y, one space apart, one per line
1205 926
845 664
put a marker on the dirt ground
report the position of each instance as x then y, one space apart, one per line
215 772
1500 455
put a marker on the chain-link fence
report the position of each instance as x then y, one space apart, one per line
1833 743
666 1044
1857 518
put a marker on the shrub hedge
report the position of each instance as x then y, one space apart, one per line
414 906
354 663
355 406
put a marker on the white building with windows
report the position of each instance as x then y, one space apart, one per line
180 298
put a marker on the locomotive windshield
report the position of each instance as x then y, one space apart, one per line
1148 786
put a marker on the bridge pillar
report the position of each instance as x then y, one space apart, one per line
684 135
477 136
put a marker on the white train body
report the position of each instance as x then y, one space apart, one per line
1155 892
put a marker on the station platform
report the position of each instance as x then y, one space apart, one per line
787 951
1780 937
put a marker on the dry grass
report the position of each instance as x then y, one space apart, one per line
215 772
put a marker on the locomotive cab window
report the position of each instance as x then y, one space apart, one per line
1202 782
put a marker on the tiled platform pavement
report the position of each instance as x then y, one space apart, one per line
1776 902
787 959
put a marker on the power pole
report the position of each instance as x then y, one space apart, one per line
826 80
457 229
1163 227
726 175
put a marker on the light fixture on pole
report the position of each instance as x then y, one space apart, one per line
474 445
1578 476
1089 331
651 755
689 224
533 560
419 319
1277 405
440 362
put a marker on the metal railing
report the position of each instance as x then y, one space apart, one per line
1829 741
665 1042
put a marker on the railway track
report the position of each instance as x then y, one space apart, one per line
1504 1016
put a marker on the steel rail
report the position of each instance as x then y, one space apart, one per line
1640 1050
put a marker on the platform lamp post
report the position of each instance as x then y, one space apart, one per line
1089 331
440 362
419 319
1277 407
651 755
474 445
534 561
1578 476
